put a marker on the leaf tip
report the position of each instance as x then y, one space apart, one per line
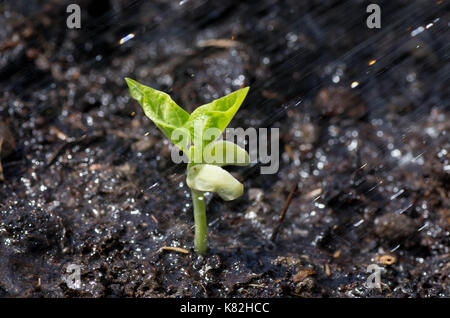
244 90
134 88
130 81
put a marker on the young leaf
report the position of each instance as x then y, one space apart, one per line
224 153
162 110
210 178
216 114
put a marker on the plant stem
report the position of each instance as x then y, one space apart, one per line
201 231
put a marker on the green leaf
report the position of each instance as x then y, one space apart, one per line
163 111
224 153
202 127
216 114
211 178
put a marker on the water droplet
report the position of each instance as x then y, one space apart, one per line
417 31
126 38
354 84
396 153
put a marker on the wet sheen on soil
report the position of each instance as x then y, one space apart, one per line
88 179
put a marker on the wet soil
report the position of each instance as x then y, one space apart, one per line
364 132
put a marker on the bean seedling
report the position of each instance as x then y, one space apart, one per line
198 136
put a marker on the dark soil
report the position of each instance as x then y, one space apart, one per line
88 179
